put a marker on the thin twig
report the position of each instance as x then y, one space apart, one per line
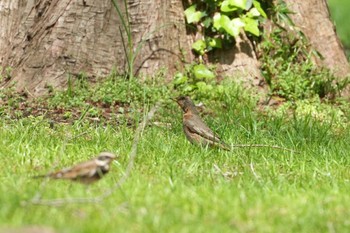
133 153
263 145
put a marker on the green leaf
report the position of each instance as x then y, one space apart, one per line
248 4
257 5
233 26
188 88
203 87
251 25
199 46
215 42
180 79
216 21
193 16
226 7
238 3
202 72
207 22
253 13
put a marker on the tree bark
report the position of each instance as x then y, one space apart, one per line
313 19
44 41
158 26
241 64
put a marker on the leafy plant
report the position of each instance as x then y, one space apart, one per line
197 80
287 62
220 21
109 91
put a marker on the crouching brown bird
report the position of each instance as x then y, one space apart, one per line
86 172
196 131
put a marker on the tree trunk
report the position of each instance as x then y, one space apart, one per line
158 26
313 19
45 41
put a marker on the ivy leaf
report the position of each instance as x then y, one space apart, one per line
202 72
180 79
248 4
253 13
193 16
188 88
203 87
199 46
216 21
257 5
226 7
238 3
215 42
207 22
233 26
251 25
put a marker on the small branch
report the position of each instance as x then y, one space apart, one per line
263 145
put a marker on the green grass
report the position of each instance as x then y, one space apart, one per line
178 187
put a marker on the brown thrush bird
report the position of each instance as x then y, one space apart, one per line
86 172
196 131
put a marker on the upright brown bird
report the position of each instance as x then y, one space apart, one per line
196 131
86 172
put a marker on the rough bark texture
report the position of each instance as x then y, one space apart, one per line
313 18
44 41
241 64
159 27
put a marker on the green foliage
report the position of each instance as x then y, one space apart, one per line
75 95
221 21
287 63
111 90
197 80
322 111
203 86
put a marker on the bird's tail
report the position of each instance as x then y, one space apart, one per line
224 146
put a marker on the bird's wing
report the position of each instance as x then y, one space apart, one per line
196 125
80 170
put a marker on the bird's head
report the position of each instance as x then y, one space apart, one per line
185 103
106 157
